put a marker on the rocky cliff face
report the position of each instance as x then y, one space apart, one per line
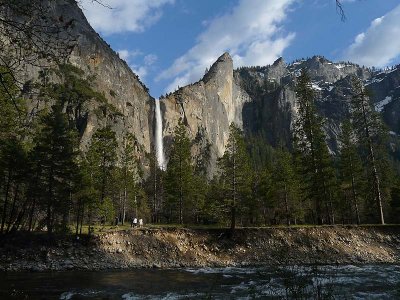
262 101
385 88
112 76
207 107
272 110
115 80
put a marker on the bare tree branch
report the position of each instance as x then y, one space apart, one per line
100 2
32 33
34 36
340 10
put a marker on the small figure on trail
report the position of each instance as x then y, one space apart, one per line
116 221
140 222
134 222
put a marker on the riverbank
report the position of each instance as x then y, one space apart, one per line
173 247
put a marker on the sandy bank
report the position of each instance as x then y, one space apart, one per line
205 247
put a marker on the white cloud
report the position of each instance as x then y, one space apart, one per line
379 45
124 15
128 54
123 54
251 32
139 63
141 71
150 59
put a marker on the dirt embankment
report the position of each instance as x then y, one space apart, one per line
198 248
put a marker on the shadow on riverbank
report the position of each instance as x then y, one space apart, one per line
166 247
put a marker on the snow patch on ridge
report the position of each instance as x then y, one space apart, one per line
381 104
316 87
375 80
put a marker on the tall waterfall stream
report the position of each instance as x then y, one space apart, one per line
159 138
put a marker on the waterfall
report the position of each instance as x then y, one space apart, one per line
159 138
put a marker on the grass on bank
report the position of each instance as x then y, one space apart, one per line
97 229
25 239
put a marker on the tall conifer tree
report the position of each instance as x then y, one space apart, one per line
351 170
102 156
368 127
128 173
236 175
285 186
55 153
179 174
317 167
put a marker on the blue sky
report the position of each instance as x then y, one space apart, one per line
169 43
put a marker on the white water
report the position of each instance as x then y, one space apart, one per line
159 138
280 282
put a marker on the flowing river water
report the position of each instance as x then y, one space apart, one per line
303 282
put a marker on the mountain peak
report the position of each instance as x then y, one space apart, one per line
222 66
319 59
279 61
224 57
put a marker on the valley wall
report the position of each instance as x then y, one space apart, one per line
207 108
260 100
81 46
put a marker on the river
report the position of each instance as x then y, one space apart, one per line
338 282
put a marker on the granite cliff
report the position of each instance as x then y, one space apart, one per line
207 108
110 76
262 100
114 79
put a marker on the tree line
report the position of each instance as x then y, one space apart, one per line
301 183
49 183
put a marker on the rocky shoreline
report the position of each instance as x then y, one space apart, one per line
171 248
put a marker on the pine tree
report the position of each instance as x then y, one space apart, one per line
129 173
179 174
317 165
235 175
369 130
285 186
86 194
102 157
395 203
154 187
351 170
55 152
100 162
75 94
14 167
265 194
13 152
